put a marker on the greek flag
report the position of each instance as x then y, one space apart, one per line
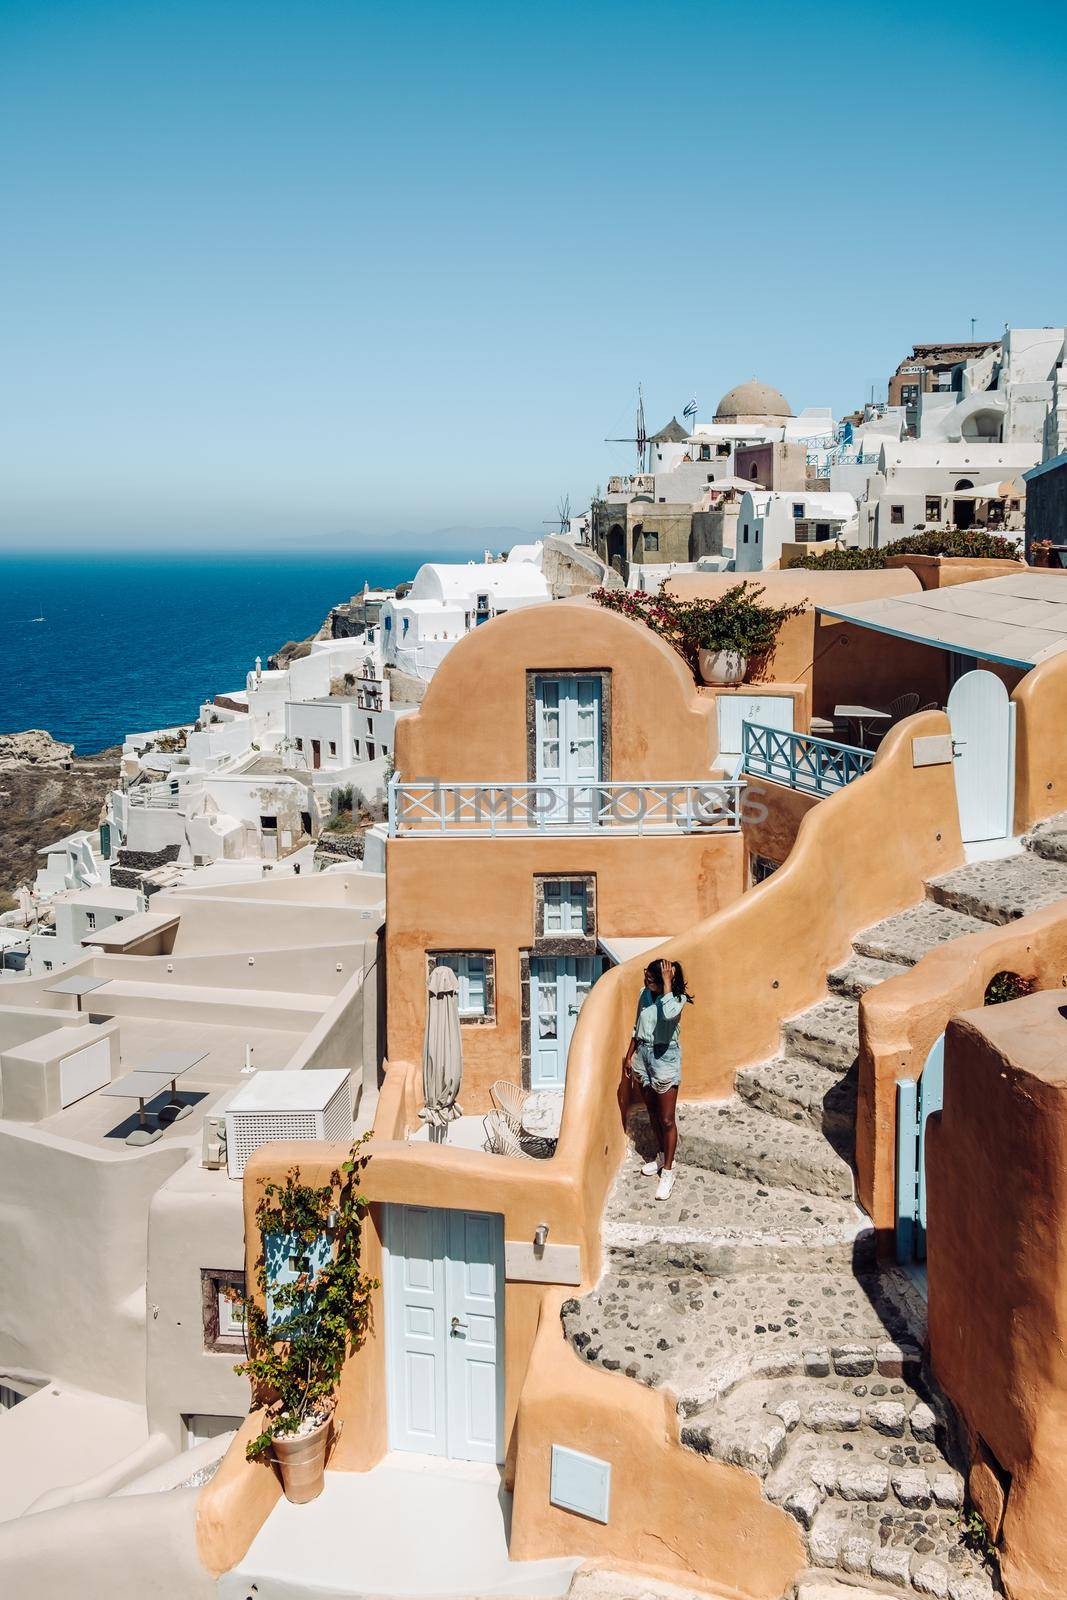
690 410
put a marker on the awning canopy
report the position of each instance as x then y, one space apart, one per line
1018 620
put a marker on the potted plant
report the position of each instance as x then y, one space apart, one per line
734 632
720 639
309 1312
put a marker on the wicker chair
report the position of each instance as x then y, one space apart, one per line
905 705
509 1099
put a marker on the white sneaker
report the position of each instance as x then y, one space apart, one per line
666 1184
651 1169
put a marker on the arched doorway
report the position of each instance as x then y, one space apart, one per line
616 548
963 510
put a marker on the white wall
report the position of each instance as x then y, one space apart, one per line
74 1248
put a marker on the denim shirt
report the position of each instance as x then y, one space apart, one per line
658 1017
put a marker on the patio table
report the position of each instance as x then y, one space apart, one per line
172 1064
78 984
860 716
542 1114
140 1086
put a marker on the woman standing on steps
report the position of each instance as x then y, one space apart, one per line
654 1062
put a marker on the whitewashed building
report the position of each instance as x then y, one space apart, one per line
74 914
347 736
769 520
447 600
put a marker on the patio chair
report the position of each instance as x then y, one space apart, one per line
905 705
500 1141
931 705
509 1099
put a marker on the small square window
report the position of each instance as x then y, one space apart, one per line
651 541
896 514
933 508
224 1330
333 747
90 920
798 509
475 970
565 905
268 824
299 743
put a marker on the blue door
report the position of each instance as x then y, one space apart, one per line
444 1316
916 1103
558 986
567 736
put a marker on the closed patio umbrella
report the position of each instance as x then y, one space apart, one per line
442 1056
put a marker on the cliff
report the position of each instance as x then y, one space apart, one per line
45 793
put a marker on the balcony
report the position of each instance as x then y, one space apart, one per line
502 810
814 766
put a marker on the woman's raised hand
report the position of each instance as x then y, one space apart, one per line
666 972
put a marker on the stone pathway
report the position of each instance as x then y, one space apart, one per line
753 1295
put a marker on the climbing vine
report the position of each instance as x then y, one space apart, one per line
300 1333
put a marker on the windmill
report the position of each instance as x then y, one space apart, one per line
640 438
563 515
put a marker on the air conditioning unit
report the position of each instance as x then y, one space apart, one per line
287 1105
213 1148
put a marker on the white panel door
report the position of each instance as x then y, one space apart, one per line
475 1298
415 1242
568 745
83 1071
444 1297
982 720
769 710
558 985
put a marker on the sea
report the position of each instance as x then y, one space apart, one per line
95 647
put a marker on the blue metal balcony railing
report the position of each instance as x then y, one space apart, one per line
815 766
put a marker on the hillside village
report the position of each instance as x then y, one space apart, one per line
777 717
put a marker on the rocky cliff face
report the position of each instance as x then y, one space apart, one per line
45 793
34 748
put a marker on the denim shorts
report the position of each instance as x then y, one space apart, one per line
658 1066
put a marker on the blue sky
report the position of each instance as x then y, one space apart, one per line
316 271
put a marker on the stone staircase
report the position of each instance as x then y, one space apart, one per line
753 1295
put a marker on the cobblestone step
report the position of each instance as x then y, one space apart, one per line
861 973
700 1336
1049 838
906 937
760 1418
827 1033
1001 891
716 1224
916 1551
736 1139
801 1091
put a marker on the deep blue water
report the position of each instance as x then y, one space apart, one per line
132 642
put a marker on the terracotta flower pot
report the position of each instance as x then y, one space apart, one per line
721 666
302 1462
